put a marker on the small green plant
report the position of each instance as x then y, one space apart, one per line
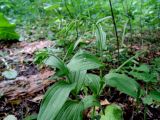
147 95
65 96
151 94
68 99
80 90
57 101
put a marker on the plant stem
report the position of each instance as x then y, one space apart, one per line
93 113
77 31
141 25
115 27
123 34
145 106
68 9
145 112
130 29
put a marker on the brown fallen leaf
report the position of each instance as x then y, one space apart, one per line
37 98
30 48
158 53
104 102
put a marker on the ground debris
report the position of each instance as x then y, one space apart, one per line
30 48
23 85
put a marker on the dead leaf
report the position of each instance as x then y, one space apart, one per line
158 53
37 98
30 48
104 102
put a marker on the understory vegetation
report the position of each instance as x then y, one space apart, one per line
105 56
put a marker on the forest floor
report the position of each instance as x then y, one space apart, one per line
21 96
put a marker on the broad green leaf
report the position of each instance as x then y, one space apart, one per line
5 23
84 61
77 77
155 95
7 30
73 46
54 61
31 117
54 99
77 43
123 83
146 77
93 82
90 101
10 74
113 112
143 68
6 34
147 100
72 110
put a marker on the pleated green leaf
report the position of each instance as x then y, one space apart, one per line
77 77
93 82
55 62
54 99
73 110
123 83
7 30
113 112
143 68
90 101
147 100
84 61
100 38
146 77
155 95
